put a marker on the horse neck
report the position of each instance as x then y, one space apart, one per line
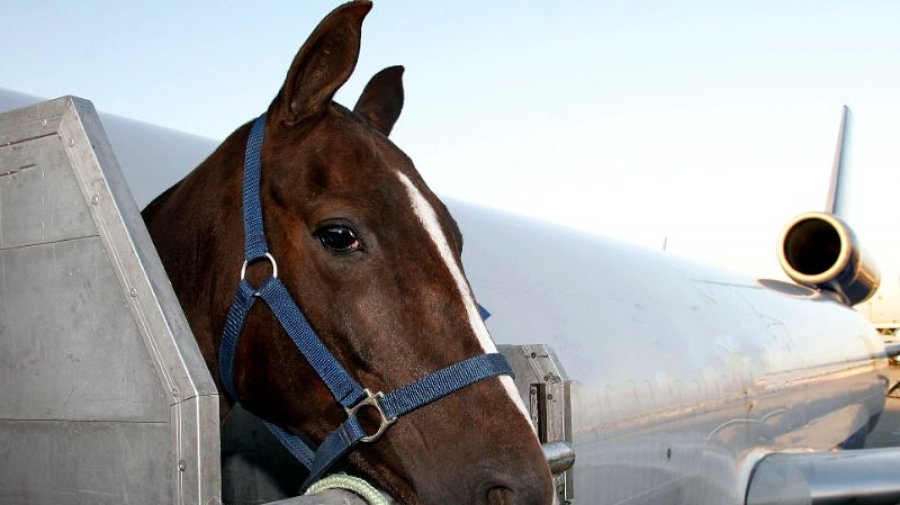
197 229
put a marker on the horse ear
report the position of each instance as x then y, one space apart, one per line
382 100
324 63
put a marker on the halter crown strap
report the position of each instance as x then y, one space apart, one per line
343 387
254 234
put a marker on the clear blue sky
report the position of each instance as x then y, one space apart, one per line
707 122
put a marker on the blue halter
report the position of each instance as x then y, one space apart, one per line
345 389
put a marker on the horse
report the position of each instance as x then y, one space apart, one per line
372 259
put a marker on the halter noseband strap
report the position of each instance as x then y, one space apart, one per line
345 389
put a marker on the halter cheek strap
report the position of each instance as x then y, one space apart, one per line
343 387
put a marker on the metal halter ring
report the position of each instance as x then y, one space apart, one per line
254 260
372 400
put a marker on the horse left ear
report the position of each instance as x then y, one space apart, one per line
382 99
323 64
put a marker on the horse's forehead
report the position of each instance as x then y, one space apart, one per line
344 158
343 150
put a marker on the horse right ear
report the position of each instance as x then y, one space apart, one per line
323 64
382 99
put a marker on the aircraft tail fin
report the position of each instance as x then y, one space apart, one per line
838 188
819 249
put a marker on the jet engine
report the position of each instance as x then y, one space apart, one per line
819 250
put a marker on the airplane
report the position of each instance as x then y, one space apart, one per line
674 382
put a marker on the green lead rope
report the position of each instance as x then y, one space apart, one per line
356 485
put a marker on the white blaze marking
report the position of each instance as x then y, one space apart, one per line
429 219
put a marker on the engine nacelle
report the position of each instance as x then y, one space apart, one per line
820 250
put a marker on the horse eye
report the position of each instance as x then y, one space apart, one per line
339 239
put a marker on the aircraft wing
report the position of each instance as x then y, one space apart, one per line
869 476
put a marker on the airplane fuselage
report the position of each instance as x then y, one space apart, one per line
684 375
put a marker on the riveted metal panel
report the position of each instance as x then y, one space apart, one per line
33 177
105 397
93 462
70 345
546 390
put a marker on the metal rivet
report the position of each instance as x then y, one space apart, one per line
534 355
95 200
182 465
133 293
71 142
549 397
44 123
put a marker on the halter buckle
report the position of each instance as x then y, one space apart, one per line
372 400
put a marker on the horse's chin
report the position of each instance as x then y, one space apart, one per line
415 470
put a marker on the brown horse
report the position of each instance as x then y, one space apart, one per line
373 259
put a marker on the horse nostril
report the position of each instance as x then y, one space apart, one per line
500 496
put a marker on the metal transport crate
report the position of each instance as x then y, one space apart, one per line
105 397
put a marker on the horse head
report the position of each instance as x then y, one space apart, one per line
372 258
